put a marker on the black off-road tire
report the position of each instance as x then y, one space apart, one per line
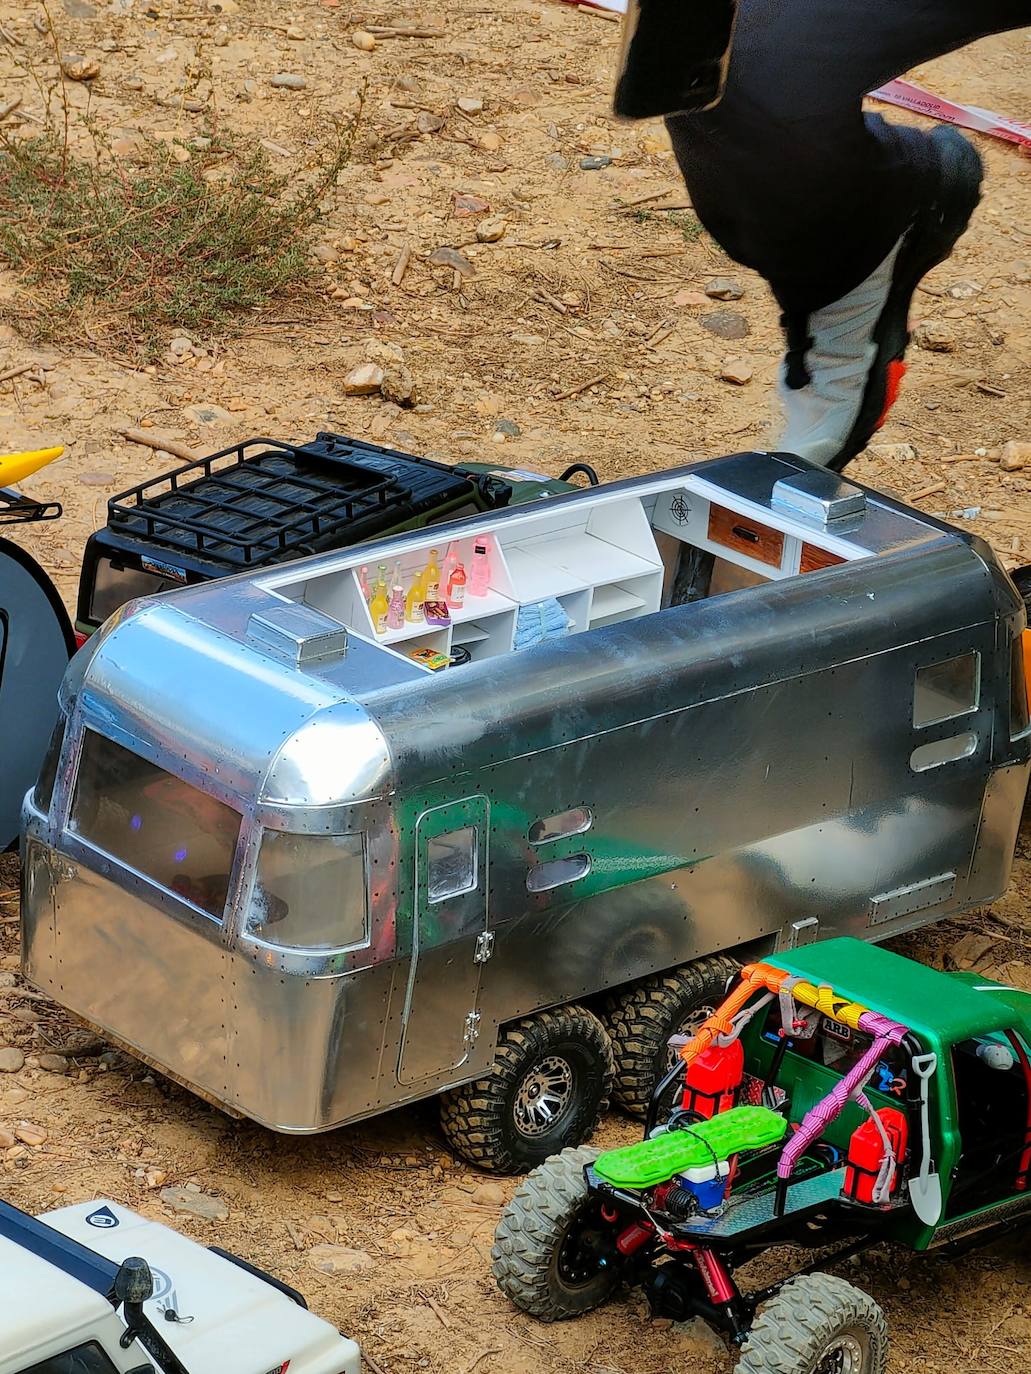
526 1255
798 1331
642 1017
481 1120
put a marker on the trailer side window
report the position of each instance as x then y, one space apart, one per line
451 864
84 1359
946 690
43 793
311 892
559 827
164 828
557 872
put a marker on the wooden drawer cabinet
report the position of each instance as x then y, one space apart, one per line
746 536
813 559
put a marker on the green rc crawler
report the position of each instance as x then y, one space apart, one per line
844 1097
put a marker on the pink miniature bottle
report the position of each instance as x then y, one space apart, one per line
479 568
396 609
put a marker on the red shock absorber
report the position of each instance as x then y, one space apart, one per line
638 1233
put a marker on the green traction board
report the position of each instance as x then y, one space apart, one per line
656 1161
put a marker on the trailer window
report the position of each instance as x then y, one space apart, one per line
941 751
84 1359
311 892
561 826
43 793
557 872
164 828
946 690
451 864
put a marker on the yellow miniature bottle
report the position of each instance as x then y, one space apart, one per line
431 579
379 608
413 602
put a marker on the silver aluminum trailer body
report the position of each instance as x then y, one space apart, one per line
827 752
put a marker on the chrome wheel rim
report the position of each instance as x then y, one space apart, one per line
543 1096
844 1355
687 1027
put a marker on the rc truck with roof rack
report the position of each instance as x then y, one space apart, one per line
497 846
840 1096
96 1289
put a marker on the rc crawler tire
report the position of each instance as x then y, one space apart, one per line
810 1320
526 1259
547 1089
641 1019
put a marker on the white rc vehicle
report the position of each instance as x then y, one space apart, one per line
79 1298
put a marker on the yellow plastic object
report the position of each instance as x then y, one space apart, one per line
15 467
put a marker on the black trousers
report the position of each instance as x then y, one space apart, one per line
787 173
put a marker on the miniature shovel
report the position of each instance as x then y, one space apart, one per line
925 1189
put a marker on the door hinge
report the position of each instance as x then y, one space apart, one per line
484 947
472 1027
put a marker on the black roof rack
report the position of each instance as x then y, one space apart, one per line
262 500
68 1255
16 509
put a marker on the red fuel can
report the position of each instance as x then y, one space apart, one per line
866 1154
713 1079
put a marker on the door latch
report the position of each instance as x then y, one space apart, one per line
484 947
472 1028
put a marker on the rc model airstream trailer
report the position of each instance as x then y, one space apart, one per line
283 861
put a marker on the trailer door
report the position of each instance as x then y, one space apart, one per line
450 941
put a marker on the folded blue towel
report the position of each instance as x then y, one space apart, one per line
540 621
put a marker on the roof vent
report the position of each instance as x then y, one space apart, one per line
299 634
820 495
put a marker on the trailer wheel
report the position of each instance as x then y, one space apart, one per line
547 1089
817 1324
553 1255
642 1017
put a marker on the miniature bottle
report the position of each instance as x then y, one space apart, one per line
414 600
479 569
431 579
456 587
379 608
381 579
396 611
363 582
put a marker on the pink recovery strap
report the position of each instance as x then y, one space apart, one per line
886 1033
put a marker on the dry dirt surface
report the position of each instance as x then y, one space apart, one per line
584 324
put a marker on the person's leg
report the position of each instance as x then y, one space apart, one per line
841 212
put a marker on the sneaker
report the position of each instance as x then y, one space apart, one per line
844 363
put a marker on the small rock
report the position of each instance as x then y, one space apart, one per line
1015 455
451 257
78 68
208 415
470 104
726 324
339 1259
935 336
557 162
724 289
894 453
489 141
467 204
363 41
11 1060
7 1140
969 951
689 297
398 385
595 164
428 123
29 1134
288 81
195 1203
737 371
509 428
180 346
97 479
295 33
965 290
194 106
167 55
79 9
8 978
325 252
134 83
364 380
489 1195
490 230
53 1063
